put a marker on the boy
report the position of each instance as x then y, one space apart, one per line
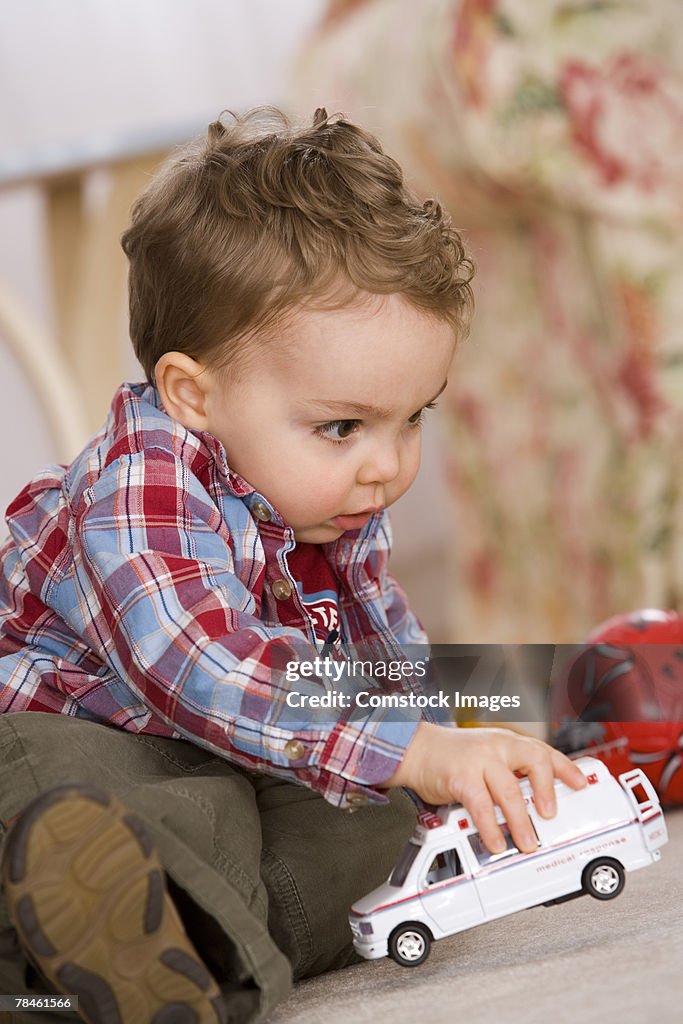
296 310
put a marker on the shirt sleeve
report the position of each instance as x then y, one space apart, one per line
402 621
156 594
410 634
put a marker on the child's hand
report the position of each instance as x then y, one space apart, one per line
475 767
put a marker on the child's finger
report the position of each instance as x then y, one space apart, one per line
504 789
567 771
483 815
542 781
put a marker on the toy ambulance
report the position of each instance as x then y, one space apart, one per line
446 880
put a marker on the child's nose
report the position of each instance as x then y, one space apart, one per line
381 464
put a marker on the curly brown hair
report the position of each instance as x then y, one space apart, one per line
261 217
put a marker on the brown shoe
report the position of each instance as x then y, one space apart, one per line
86 892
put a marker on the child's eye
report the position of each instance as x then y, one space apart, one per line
337 431
416 418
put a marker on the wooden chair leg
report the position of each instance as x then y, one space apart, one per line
48 372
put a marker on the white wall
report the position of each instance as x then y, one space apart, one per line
74 68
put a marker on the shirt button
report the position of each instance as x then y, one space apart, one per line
261 511
281 590
294 750
357 800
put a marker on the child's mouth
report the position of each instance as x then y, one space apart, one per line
353 522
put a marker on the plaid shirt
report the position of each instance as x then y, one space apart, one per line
136 589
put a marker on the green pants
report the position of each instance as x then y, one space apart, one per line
262 871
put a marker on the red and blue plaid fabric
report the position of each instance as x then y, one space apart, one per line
136 590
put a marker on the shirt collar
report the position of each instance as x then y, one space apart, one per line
202 440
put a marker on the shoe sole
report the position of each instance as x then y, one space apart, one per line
85 889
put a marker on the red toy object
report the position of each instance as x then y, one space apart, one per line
621 699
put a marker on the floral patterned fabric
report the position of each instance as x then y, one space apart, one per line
553 132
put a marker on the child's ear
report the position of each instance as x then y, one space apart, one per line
183 384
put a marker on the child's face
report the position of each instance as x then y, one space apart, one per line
325 422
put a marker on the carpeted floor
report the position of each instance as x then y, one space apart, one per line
619 962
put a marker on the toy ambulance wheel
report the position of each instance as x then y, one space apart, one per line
603 878
409 944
